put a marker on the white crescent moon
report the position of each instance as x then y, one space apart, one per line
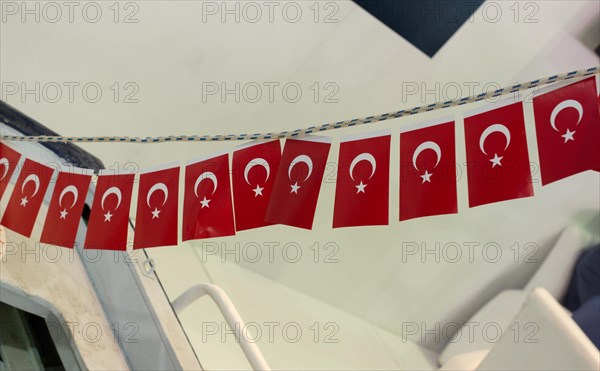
112 190
31 178
257 161
158 187
492 129
68 189
363 157
301 158
206 175
427 145
4 163
561 106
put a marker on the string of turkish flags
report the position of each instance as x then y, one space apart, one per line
269 186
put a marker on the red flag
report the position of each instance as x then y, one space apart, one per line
298 182
567 124
156 216
254 170
428 172
107 227
207 208
66 207
363 182
27 197
9 158
497 158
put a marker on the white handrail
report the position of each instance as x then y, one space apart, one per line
233 318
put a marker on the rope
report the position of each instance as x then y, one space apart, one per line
315 129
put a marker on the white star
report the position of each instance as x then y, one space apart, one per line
24 201
107 216
426 177
258 191
295 188
155 213
496 160
205 203
568 135
360 187
63 214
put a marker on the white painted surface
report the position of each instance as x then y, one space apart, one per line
56 276
171 52
293 330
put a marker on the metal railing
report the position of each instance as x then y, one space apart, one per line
233 318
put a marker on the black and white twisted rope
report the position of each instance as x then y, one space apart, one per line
315 129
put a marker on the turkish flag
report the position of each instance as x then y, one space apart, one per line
9 158
428 172
253 176
363 182
156 216
567 124
66 207
27 197
497 158
207 206
298 182
109 217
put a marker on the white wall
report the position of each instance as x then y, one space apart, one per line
171 52
39 277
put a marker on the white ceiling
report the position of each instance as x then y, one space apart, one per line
171 52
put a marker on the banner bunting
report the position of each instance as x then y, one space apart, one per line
268 185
